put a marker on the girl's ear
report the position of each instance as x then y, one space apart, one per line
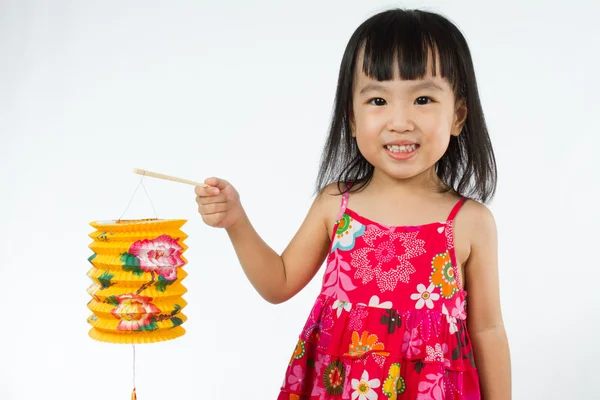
352 124
460 117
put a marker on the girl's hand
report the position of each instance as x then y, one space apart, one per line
219 204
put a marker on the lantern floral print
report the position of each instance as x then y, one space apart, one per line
135 312
390 321
138 313
161 255
137 290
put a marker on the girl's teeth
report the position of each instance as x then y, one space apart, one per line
398 149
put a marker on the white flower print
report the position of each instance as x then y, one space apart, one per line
387 257
340 305
434 354
425 297
357 317
451 320
438 354
363 389
374 302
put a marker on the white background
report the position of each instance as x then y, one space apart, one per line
243 90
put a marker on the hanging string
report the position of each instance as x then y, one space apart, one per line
133 394
133 195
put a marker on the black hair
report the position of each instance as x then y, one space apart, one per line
404 39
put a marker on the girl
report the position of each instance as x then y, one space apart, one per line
408 145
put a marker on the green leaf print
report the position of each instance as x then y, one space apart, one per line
176 321
150 327
162 283
91 258
131 264
112 300
105 278
176 309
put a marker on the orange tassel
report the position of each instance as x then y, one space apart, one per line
133 395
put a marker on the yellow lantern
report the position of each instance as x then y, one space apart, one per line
137 273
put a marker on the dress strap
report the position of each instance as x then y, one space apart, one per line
456 208
344 201
450 240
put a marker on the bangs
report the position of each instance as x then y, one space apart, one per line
402 43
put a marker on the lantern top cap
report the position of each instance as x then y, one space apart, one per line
137 222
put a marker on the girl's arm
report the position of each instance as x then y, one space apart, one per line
485 324
275 277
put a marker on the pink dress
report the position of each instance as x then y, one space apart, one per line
390 321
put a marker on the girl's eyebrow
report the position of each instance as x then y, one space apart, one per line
428 84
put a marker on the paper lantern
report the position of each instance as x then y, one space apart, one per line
137 273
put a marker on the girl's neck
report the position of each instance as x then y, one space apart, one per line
424 184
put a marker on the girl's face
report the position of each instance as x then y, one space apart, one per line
403 127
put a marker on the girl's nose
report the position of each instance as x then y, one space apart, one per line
400 119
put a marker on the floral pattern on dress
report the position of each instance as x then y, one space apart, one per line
391 311
374 302
443 275
363 388
319 324
432 388
425 296
336 282
299 352
394 384
346 233
364 343
334 377
386 257
340 305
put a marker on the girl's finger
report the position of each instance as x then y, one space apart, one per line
221 198
213 208
206 191
216 182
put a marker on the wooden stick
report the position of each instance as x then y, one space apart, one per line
167 177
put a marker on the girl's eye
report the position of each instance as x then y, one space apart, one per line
425 99
377 101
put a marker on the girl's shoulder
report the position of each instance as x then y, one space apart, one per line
329 202
474 227
474 215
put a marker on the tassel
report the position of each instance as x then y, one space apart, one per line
133 395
